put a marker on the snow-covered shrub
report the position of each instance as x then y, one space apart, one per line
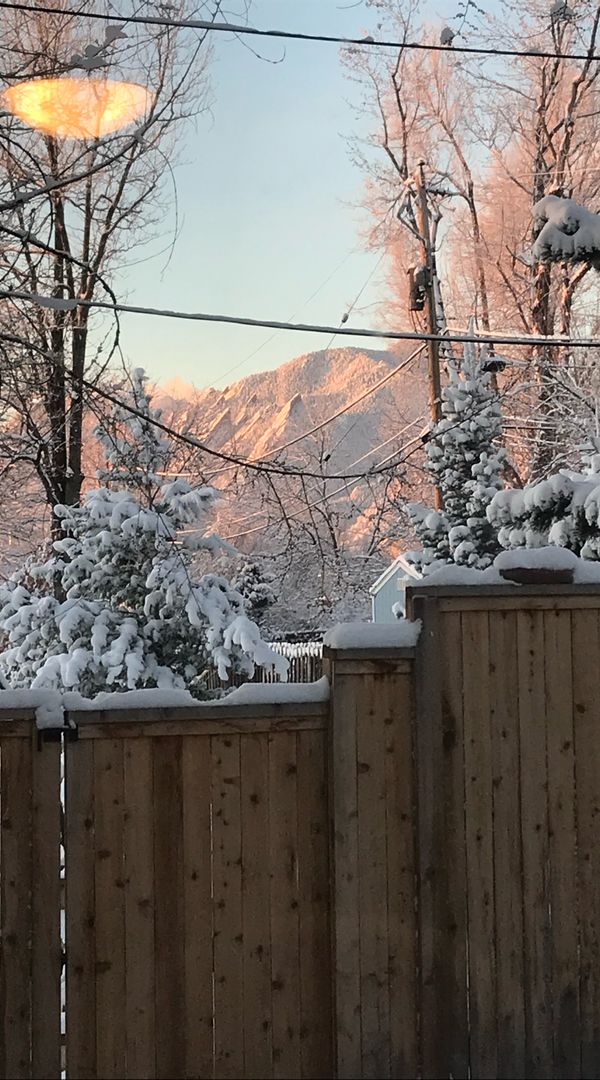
116 606
464 460
563 509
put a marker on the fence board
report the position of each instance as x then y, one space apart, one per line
586 690
283 841
198 907
139 909
80 910
168 901
534 829
313 889
227 897
345 896
16 886
45 909
256 906
372 856
508 870
562 832
111 1055
452 963
479 844
397 716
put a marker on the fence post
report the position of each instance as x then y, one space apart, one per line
374 946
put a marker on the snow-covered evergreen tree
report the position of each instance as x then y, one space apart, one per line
117 606
256 584
464 460
563 509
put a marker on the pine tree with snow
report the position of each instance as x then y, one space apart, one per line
563 509
255 583
464 460
117 605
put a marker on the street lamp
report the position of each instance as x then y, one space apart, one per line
76 108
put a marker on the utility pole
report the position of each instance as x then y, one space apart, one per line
435 407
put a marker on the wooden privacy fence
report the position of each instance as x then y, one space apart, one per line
403 881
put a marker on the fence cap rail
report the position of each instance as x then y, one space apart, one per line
513 590
228 715
372 653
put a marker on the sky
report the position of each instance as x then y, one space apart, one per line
267 201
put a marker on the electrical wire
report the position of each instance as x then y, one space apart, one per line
366 41
458 337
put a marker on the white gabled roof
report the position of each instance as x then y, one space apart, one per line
401 563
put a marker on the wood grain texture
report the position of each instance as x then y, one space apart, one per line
534 831
80 910
227 901
508 865
45 909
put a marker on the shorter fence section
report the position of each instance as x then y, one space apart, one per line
198 894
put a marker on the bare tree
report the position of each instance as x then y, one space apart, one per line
72 211
496 135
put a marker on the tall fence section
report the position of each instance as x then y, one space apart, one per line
401 881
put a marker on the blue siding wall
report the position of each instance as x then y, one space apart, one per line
392 592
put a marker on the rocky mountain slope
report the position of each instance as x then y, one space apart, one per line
259 413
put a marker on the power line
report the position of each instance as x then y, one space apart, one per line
367 41
456 337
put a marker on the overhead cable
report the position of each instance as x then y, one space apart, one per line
365 41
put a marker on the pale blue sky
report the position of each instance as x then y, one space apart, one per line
268 200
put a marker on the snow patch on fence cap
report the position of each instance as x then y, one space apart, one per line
152 698
585 571
362 635
276 693
47 705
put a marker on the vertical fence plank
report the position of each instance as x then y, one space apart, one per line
228 919
315 945
508 870
397 717
452 906
256 905
443 1029
110 911
586 692
139 909
283 843
372 856
15 906
197 874
168 900
46 945
81 910
480 844
345 871
534 827
562 828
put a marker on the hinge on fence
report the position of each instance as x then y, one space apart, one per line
54 734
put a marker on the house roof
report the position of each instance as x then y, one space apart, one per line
400 563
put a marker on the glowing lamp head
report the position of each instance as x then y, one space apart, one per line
73 108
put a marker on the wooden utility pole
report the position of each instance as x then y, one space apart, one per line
435 390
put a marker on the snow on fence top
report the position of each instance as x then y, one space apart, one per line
551 558
50 706
361 635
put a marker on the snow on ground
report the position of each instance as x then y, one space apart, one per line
360 635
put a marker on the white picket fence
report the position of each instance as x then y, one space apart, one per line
305 660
